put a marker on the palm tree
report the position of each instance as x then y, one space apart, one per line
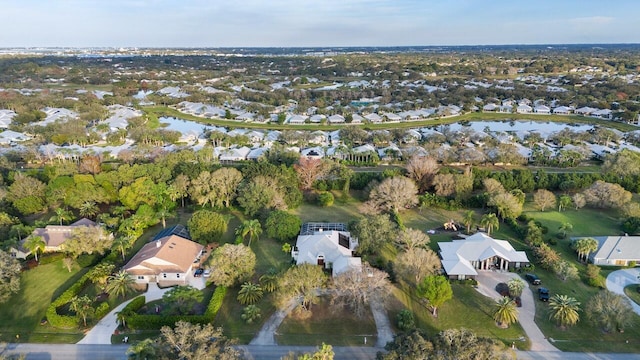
249 293
122 243
515 287
269 282
123 315
35 244
251 228
490 221
505 312
120 284
564 310
100 274
82 307
89 209
565 229
251 313
468 220
62 215
584 247
564 202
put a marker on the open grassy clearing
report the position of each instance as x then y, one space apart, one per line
22 314
229 316
329 324
467 309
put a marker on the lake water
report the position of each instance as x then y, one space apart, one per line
507 126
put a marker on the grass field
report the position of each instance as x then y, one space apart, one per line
467 309
22 314
632 292
329 324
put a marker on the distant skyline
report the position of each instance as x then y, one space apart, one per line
314 23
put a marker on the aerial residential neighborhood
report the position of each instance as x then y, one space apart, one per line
319 180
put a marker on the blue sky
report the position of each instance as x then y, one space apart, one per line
236 23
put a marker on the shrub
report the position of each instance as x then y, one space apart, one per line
405 320
135 304
282 226
326 199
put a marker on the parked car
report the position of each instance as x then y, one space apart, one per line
533 279
543 294
198 272
206 273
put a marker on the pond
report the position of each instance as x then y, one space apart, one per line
183 126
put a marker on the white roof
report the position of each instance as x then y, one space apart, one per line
235 154
336 119
322 243
457 255
618 248
344 264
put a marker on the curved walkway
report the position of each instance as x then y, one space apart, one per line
619 279
101 333
487 281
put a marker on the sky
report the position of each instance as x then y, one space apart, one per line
314 23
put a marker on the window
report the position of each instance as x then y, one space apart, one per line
164 276
178 276
140 277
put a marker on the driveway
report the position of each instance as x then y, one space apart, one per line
617 280
101 333
487 281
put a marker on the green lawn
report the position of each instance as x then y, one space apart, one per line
467 308
586 221
22 313
632 292
327 324
229 317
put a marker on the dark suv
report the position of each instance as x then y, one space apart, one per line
543 294
533 279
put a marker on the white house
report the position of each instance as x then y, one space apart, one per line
461 259
167 261
524 109
332 249
336 119
542 109
235 154
296 119
616 250
373 117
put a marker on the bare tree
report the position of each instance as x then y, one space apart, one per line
224 183
445 184
87 240
309 170
544 199
195 342
422 169
357 287
606 195
411 239
394 194
579 201
417 263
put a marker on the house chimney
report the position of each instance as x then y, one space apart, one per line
158 243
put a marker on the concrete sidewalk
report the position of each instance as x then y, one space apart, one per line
101 333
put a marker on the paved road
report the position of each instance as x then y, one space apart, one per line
487 281
617 280
266 335
118 352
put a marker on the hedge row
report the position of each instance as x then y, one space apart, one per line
135 305
65 321
150 322
102 310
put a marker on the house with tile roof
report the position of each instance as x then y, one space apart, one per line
462 259
168 261
54 237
